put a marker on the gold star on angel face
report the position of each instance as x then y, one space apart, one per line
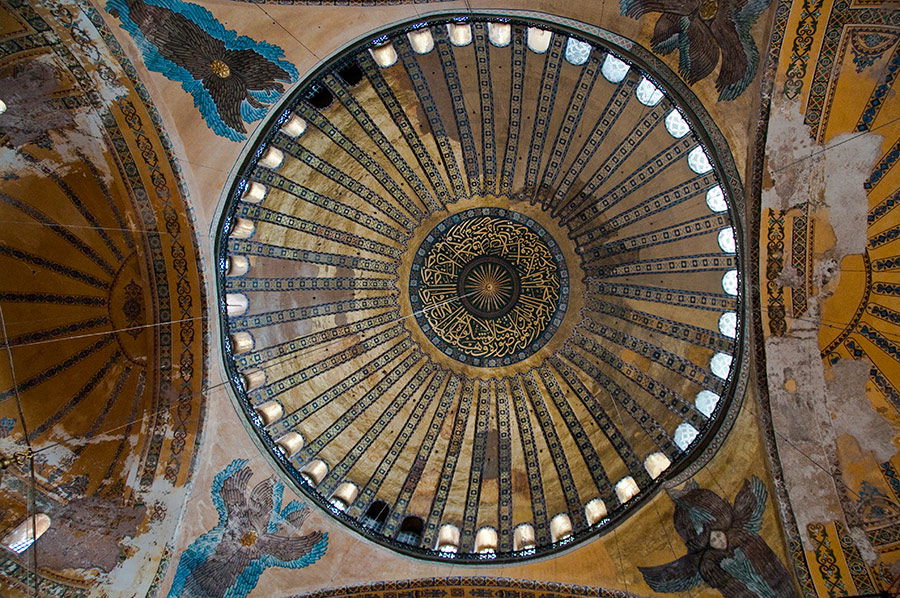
220 69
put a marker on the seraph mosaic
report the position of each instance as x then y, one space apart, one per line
232 77
254 533
702 31
725 550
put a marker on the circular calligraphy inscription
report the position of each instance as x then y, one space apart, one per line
489 286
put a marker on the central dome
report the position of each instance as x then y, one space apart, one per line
489 286
480 282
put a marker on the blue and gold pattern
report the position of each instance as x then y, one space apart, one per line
254 533
232 78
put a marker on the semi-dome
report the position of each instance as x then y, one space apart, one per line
480 282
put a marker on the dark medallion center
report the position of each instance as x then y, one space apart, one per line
489 286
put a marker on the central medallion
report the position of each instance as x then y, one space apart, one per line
489 286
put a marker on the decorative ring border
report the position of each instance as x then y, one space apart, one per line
561 268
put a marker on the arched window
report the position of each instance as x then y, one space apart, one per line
273 158
647 93
269 412
706 402
684 435
577 51
290 443
613 69
242 228
253 379
486 540
321 98
656 463
238 265
448 538
730 282
254 192
460 34
26 533
726 240
560 527
314 472
594 511
236 304
241 342
344 495
351 74
538 40
412 530
698 160
384 55
421 40
676 125
720 364
715 199
293 127
626 489
375 516
500 34
524 538
728 324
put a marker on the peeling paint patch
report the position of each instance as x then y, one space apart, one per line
829 176
32 108
850 410
803 425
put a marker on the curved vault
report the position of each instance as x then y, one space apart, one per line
413 188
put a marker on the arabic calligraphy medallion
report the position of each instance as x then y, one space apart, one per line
489 286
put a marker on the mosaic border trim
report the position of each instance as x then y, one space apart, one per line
394 587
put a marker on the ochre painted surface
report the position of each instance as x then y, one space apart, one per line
828 280
102 304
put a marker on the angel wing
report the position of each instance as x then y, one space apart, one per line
261 504
750 504
698 511
185 44
678 576
667 32
233 495
741 57
699 51
289 549
638 8
213 577
249 71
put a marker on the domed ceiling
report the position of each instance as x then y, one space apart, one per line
480 285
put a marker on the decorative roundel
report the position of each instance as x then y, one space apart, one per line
481 285
489 286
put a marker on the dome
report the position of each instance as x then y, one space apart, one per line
480 273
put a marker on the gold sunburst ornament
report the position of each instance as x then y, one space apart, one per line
489 286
